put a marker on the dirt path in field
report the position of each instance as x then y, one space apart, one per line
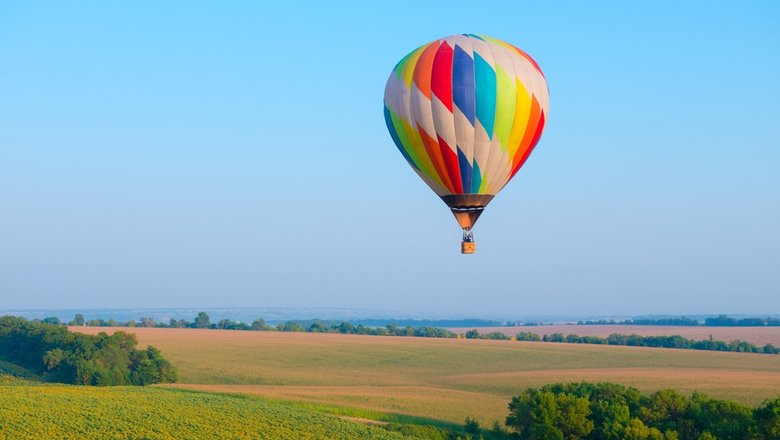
364 421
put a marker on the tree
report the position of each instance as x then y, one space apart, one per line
471 426
527 336
767 418
290 326
346 327
636 430
260 325
392 329
666 411
556 337
723 419
202 320
78 320
54 357
544 414
319 327
496 335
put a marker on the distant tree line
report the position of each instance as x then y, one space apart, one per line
607 411
203 321
348 328
58 355
719 321
681 321
428 322
725 321
633 340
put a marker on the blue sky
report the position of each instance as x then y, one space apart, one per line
194 154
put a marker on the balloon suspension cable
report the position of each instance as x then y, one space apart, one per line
468 246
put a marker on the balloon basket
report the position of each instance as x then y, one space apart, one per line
468 247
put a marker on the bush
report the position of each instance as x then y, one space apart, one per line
471 426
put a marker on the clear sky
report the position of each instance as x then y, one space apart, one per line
229 154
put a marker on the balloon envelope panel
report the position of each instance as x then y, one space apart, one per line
466 111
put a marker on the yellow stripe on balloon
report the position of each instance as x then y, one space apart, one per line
522 113
424 161
505 106
406 66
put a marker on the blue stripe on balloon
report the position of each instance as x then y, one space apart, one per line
463 82
476 178
396 139
486 93
465 171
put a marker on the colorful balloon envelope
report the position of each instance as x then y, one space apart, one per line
466 111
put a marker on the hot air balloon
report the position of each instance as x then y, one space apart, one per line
466 111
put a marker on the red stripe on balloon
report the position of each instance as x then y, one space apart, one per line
441 75
451 162
528 57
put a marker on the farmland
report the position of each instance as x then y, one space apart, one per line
30 411
756 335
444 379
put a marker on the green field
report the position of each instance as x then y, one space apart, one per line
442 379
31 411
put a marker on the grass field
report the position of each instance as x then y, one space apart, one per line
71 412
443 379
756 335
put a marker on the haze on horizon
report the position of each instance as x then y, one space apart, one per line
236 156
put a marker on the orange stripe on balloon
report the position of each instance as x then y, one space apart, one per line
527 154
434 153
424 67
530 131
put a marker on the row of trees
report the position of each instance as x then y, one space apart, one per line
203 321
58 355
614 412
681 321
675 341
719 321
474 334
725 321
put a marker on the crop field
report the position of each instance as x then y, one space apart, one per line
756 335
443 379
30 411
